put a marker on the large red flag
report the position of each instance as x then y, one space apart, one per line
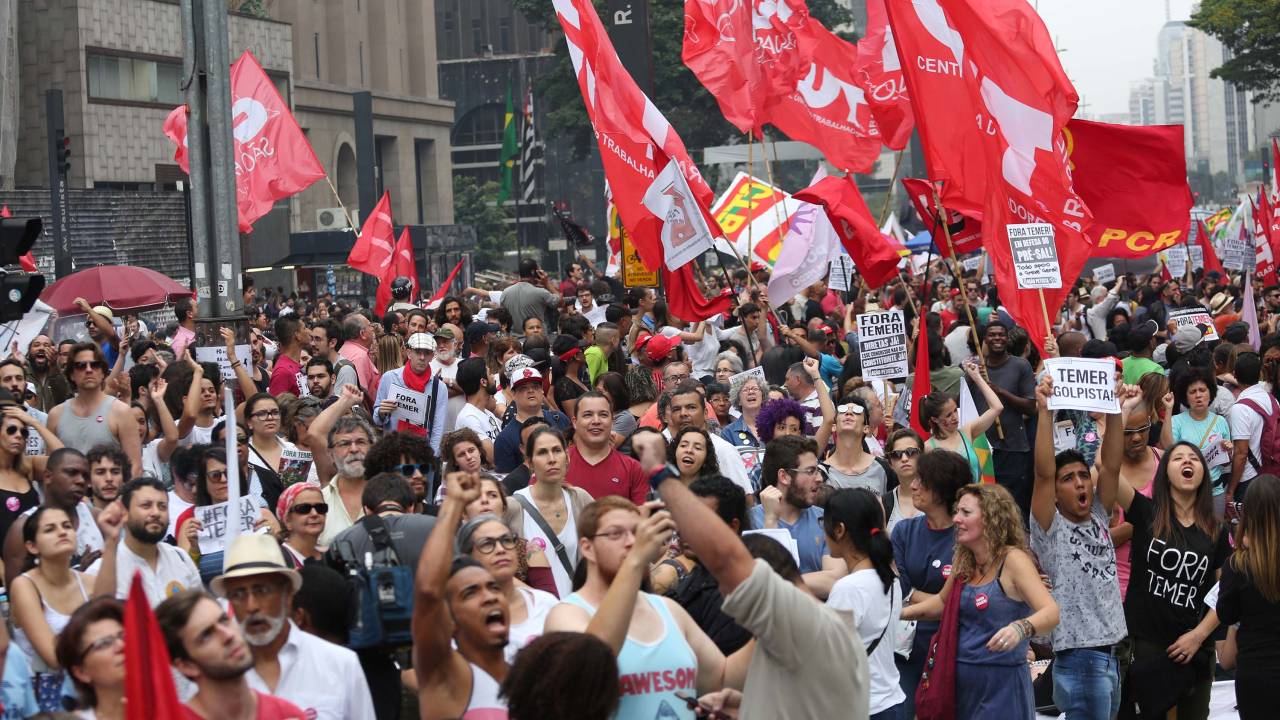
745 55
921 383
1205 242
966 233
444 289
149 692
402 264
828 109
1264 241
1012 75
175 127
636 143
1134 180
374 247
879 74
874 253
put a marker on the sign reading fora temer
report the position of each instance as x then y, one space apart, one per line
882 344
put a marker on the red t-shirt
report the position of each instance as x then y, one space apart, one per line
270 707
617 474
287 377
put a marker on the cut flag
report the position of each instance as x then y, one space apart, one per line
1211 262
402 264
874 253
444 289
636 143
966 233
149 692
879 75
375 245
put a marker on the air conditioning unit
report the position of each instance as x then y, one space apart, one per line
331 219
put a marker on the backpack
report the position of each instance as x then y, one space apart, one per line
1270 447
382 607
367 403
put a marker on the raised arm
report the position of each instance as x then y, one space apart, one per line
1112 454
110 520
1130 405
191 404
717 547
435 661
612 619
828 408
168 428
1044 494
247 387
1166 421
104 325
995 405
318 433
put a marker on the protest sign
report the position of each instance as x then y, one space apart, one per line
736 381
218 354
882 344
1104 273
841 271
1064 436
1035 257
213 523
411 407
1087 384
295 465
1235 252
971 264
1197 256
1175 258
1196 316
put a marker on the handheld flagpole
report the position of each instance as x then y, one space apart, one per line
941 219
350 222
751 198
1044 309
884 211
783 220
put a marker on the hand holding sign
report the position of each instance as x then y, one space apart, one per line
1083 384
1044 392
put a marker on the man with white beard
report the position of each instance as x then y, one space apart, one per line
321 678
445 366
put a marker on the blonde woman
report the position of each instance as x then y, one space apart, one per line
390 353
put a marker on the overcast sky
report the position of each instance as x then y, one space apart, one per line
1108 44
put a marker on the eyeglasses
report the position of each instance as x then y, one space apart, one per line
409 469
266 415
904 453
86 365
1135 431
17 430
344 444
489 544
616 533
306 508
216 475
677 379
259 592
814 471
103 643
849 408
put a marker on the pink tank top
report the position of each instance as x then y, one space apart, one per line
1122 552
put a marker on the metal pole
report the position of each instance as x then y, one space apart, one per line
224 245
60 227
193 73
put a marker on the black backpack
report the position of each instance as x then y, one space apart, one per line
382 611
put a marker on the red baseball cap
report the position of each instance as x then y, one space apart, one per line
660 346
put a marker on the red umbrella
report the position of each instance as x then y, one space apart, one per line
119 287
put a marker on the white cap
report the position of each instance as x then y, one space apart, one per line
421 341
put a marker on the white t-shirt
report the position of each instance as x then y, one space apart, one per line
538 603
568 536
1247 424
703 353
177 506
862 595
198 436
174 572
486 424
595 316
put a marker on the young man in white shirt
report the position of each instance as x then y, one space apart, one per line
1246 424
165 569
477 414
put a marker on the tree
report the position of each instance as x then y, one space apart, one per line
475 204
676 92
1250 29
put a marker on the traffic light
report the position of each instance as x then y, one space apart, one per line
18 289
62 147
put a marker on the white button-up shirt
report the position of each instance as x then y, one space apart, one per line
323 679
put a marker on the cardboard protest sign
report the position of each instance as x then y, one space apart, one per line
1197 256
218 354
213 523
1196 316
882 344
1104 273
1087 384
1035 257
411 407
1175 258
1235 253
971 264
841 271
295 465
736 381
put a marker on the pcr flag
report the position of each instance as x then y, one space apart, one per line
375 246
875 254
636 143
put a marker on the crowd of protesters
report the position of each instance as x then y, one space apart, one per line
555 499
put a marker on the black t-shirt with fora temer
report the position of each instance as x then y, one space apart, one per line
1169 577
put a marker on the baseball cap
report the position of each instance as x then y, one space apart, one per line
660 346
516 363
1187 337
476 331
524 376
444 332
421 341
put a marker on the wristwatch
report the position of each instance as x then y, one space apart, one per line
662 475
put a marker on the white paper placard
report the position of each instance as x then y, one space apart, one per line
882 344
1196 316
1176 260
1064 435
218 354
1035 257
411 406
1197 256
1104 273
972 264
213 523
1087 384
841 270
736 381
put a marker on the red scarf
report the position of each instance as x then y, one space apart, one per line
416 383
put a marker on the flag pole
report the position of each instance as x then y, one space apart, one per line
1044 309
784 221
964 296
884 211
347 213
750 198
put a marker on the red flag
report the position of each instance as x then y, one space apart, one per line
921 385
375 245
1264 248
148 682
636 143
273 158
879 73
1003 60
402 264
966 233
828 109
1165 274
1134 180
5 213
1211 261
873 253
27 261
745 56
1275 168
444 289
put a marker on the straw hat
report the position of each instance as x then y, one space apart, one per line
253 554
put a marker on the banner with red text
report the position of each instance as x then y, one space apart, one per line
753 212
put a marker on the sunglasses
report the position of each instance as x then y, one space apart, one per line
1138 430
87 365
17 430
409 469
306 508
849 408
905 453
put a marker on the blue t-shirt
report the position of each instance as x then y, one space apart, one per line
923 556
110 353
506 449
16 691
807 531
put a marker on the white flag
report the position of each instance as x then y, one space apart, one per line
685 233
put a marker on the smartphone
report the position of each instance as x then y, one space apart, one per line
694 703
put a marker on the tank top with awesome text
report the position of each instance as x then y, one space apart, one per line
651 674
484 703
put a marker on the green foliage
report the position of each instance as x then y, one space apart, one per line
676 92
1250 29
473 204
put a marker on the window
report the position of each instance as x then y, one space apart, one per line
113 77
504 35
477 36
481 126
316 41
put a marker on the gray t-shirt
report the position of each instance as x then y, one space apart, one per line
1015 376
408 536
1081 563
872 478
524 300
